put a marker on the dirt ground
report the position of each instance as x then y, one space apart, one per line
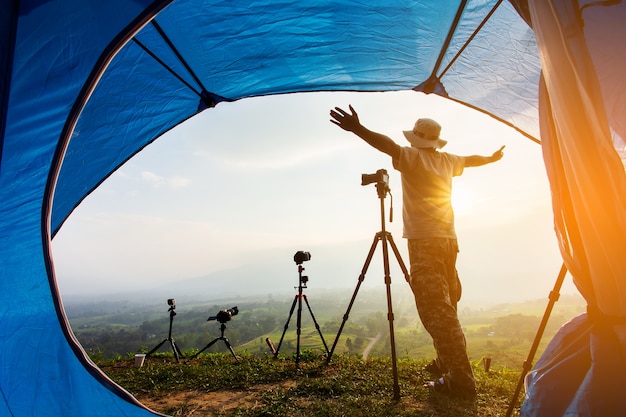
197 404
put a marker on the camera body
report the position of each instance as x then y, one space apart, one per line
380 176
225 315
171 302
301 256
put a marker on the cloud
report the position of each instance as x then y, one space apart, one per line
179 182
157 181
276 161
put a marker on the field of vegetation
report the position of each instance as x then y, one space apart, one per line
216 384
358 378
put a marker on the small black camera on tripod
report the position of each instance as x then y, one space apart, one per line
177 352
222 316
225 315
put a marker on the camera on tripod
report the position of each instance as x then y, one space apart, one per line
225 315
222 316
301 256
177 352
379 176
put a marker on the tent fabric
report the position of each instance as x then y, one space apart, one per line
48 52
87 84
581 373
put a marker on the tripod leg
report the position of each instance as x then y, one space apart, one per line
356 290
553 298
317 326
211 343
390 317
293 306
396 252
177 353
156 347
180 353
298 327
230 348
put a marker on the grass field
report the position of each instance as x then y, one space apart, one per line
357 381
217 385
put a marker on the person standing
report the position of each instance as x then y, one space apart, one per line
428 226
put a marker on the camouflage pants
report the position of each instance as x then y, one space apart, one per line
437 289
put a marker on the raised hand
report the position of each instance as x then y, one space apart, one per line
497 155
346 121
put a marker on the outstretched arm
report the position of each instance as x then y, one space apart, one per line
478 160
350 122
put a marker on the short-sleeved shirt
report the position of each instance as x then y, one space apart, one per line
427 191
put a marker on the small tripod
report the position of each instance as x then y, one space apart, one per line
298 258
177 353
221 337
385 237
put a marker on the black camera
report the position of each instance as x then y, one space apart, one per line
301 256
171 302
379 176
225 315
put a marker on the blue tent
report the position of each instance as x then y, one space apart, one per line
87 84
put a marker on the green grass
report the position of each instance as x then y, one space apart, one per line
348 386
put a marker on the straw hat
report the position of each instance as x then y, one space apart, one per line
425 134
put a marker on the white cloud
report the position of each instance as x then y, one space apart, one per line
157 181
152 178
272 160
179 182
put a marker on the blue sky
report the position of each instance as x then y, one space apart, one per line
252 182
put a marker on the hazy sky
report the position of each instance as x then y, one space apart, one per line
252 182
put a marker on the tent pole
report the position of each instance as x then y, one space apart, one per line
552 299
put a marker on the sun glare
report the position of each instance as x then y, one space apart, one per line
461 198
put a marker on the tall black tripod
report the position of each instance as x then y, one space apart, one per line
175 349
298 258
385 237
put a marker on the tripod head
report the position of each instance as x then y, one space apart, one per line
299 257
302 279
172 303
381 178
